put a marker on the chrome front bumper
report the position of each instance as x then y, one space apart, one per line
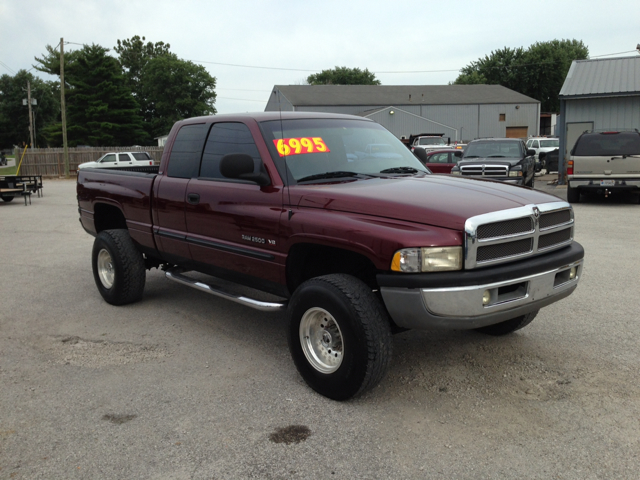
462 308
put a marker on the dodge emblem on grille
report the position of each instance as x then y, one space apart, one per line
536 212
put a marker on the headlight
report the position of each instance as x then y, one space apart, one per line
515 172
455 172
427 259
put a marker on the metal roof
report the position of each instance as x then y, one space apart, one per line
602 77
343 95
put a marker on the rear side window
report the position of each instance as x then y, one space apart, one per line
226 138
187 149
605 144
141 156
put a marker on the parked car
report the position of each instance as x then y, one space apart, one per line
505 159
542 146
119 159
605 163
442 161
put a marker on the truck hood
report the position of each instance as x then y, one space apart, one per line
438 200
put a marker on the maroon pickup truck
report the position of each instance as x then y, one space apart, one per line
335 217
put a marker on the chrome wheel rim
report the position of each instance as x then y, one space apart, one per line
106 271
321 340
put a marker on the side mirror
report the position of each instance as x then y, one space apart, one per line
240 166
530 151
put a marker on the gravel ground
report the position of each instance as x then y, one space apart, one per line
188 386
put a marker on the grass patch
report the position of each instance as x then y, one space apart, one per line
8 170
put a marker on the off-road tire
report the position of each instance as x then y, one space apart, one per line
573 195
508 326
118 267
347 309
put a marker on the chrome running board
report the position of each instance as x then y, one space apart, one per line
176 276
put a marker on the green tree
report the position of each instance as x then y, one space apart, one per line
14 116
101 110
343 76
537 72
134 55
174 89
50 61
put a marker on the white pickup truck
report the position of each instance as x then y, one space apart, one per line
119 159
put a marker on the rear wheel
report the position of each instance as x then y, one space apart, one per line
7 199
573 195
118 267
339 335
508 326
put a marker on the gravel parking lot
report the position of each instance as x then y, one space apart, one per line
184 385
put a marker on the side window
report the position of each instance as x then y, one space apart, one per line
226 138
123 157
529 143
187 149
442 158
535 144
456 156
109 158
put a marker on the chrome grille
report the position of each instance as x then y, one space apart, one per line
485 170
503 229
504 250
517 233
555 238
554 218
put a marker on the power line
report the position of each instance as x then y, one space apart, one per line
241 99
8 67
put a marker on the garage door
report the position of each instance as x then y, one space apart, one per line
517 132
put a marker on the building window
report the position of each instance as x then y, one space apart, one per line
503 117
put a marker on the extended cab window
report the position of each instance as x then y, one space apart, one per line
187 149
141 156
226 138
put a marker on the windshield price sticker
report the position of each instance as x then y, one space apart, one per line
300 146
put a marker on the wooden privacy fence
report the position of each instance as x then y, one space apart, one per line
49 162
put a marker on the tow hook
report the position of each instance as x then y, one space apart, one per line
606 193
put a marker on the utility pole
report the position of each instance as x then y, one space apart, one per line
63 110
30 113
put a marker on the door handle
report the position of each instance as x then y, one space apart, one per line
193 198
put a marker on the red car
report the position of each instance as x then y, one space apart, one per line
442 161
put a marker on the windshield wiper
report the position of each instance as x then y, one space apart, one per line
321 176
400 170
470 156
496 156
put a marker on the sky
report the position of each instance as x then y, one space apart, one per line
402 42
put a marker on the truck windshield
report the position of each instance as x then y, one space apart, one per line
553 143
303 148
431 141
489 149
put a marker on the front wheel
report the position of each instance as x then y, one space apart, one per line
118 267
508 326
7 198
339 335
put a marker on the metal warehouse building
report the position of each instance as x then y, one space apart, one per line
598 95
461 112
